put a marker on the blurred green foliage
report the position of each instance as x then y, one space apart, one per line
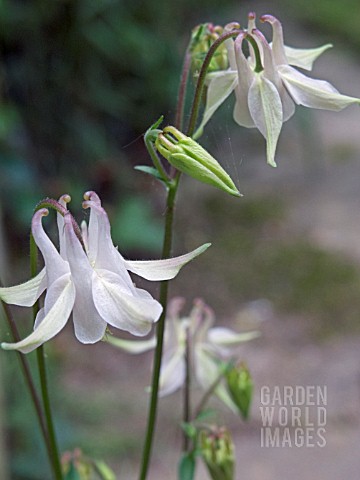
338 19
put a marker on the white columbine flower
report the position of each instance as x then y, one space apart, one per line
266 86
208 348
90 279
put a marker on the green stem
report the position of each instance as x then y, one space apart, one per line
201 80
28 379
179 117
48 416
170 206
154 157
166 252
187 387
40 355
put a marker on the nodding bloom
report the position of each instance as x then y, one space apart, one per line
90 279
208 347
266 84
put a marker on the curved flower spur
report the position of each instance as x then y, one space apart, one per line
89 278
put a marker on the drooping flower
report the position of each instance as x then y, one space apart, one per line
266 84
89 278
209 347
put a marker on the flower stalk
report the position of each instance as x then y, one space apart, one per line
167 245
40 355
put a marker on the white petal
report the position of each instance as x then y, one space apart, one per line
225 340
93 231
61 295
56 266
313 93
271 73
89 326
220 87
156 270
245 78
266 110
304 57
173 370
133 312
107 257
26 293
63 200
226 336
131 346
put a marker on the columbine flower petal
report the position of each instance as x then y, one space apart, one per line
131 346
25 294
266 110
283 55
134 311
224 340
59 303
220 87
173 370
304 57
89 326
313 93
156 270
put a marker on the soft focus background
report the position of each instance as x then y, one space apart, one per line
80 82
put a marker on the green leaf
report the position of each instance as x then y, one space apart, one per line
187 466
150 171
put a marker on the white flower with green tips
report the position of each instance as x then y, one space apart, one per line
266 84
88 278
209 348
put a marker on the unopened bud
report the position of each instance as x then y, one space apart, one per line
217 450
189 157
240 386
203 36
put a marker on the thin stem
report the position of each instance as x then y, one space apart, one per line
179 118
187 388
28 378
48 416
207 395
156 160
170 205
201 80
40 355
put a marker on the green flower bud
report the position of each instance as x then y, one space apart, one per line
217 450
202 37
240 386
191 158
77 466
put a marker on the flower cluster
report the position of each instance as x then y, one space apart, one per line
89 278
266 84
207 347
